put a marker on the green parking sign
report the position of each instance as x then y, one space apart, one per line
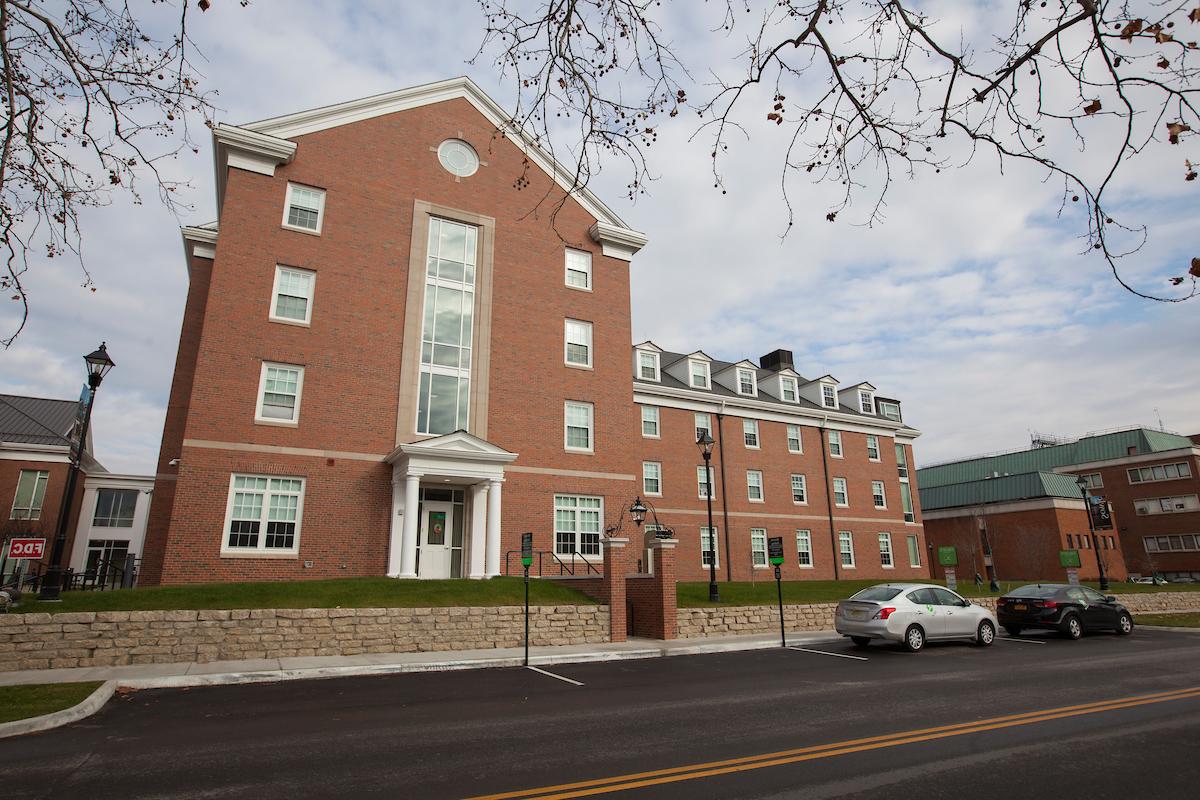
948 556
1069 559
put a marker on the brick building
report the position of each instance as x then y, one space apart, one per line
329 416
1149 479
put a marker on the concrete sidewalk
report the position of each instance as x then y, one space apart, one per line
156 676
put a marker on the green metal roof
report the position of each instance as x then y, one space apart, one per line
1090 448
1004 489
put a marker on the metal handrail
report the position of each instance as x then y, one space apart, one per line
564 568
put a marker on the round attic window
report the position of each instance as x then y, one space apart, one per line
458 157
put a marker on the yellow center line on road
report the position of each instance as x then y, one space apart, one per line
746 763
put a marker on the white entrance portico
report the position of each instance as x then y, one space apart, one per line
446 494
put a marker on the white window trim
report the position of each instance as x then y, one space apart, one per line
261 550
578 554
657 366
710 478
567 268
646 491
882 494
915 551
824 400
757 438
891 551
312 291
567 342
766 560
1152 479
692 362
869 399
591 448
785 382
657 422
791 486
878 450
31 510
811 560
761 489
845 491
716 546
799 438
841 446
753 381
259 419
853 561
287 204
708 422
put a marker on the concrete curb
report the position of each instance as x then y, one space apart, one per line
90 705
1168 628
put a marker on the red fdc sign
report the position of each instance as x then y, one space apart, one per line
27 548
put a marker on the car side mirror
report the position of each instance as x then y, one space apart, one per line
1110 598
965 603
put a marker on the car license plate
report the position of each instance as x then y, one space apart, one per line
1020 607
856 614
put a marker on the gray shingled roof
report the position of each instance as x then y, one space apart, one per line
36 420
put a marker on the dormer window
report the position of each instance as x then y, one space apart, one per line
889 410
698 371
866 402
828 396
787 389
747 382
647 365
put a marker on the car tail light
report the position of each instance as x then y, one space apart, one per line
883 613
1048 604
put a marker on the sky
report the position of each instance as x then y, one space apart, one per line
971 302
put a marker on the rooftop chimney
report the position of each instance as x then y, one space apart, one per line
776 360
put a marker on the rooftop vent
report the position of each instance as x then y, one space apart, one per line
776 360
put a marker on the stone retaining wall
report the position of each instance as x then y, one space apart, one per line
107 638
736 620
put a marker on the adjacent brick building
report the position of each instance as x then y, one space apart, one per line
406 341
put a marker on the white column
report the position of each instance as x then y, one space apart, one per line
396 529
408 547
493 526
477 537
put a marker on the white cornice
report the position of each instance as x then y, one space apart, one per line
617 242
246 149
200 242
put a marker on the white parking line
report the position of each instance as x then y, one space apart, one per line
826 653
552 675
1015 639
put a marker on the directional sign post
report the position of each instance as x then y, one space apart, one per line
526 560
775 554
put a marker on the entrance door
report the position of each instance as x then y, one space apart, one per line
437 520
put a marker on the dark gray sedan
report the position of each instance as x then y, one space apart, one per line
1071 610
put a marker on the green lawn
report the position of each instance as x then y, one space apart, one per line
339 593
1188 619
761 593
23 702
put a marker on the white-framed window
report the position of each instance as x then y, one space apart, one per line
1184 542
885 551
114 508
577 524
703 425
1166 505
758 547
835 444
263 514
578 423
914 551
846 548
799 490
1093 480
794 442
292 295
787 389
754 485
901 462
458 158
304 208
648 365
829 395
804 552
652 478
872 447
905 488
279 390
698 375
750 433
702 487
840 496
578 343
650 422
877 494
579 269
31 491
890 410
747 382
447 330
709 554
866 402
1160 472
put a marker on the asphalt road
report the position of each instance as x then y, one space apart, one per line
952 721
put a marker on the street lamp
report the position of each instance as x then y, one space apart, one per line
638 512
705 443
1082 483
98 365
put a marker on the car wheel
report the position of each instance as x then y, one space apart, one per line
1072 626
861 641
914 638
986 634
1013 630
1124 624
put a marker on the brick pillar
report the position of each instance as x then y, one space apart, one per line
614 586
664 588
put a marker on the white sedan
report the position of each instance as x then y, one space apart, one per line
912 614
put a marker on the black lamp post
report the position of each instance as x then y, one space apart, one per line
98 365
705 443
1081 482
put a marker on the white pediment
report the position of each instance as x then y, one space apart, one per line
457 446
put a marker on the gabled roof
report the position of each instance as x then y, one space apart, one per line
824 378
36 420
863 385
1008 488
1102 447
648 345
745 363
